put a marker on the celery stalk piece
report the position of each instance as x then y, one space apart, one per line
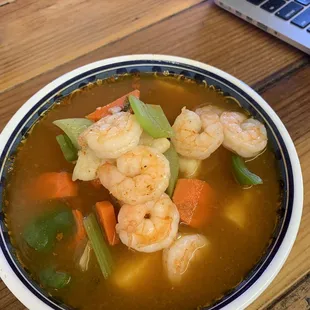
99 245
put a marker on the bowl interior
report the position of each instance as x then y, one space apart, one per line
201 76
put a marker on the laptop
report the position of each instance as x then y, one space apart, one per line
287 20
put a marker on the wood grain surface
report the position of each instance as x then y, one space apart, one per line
48 33
297 298
290 99
40 40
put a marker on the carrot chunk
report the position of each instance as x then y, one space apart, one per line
105 110
195 200
53 185
80 230
106 215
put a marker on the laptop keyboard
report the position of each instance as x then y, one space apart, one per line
272 5
304 2
256 2
303 19
298 11
289 10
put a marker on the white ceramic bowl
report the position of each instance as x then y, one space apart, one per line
33 297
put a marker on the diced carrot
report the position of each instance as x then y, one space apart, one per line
52 185
105 110
195 200
106 215
96 183
80 230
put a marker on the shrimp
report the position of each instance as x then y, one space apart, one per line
140 175
149 227
245 136
198 135
112 136
160 144
86 166
179 256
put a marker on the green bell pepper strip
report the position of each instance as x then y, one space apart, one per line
73 127
98 244
151 118
41 233
49 277
173 159
242 174
67 148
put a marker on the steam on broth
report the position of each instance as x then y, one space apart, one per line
111 237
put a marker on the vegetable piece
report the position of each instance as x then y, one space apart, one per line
53 185
41 233
151 118
189 167
106 215
73 127
131 273
63 221
39 236
105 110
236 213
160 144
49 277
173 159
98 244
85 258
67 148
86 166
146 139
195 200
238 209
80 230
242 174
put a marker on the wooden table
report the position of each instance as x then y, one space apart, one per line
42 39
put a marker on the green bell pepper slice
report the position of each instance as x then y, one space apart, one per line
242 173
68 150
151 118
73 127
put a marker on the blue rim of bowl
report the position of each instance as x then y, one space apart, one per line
151 66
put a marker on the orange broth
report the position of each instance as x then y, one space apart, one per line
238 233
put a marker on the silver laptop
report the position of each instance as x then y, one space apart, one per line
286 19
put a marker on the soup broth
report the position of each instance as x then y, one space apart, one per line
238 232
